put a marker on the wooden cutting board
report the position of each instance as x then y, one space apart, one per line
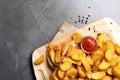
104 25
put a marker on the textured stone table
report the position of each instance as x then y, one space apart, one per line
27 24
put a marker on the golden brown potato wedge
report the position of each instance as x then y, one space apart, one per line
107 78
110 45
117 49
81 79
104 47
69 52
97 55
77 37
85 64
116 70
51 46
72 72
81 72
53 77
89 60
114 61
68 59
76 56
109 55
61 74
39 60
100 39
116 78
83 54
98 75
95 65
65 66
104 65
51 54
58 54
109 71
66 78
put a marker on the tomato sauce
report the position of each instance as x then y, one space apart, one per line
89 44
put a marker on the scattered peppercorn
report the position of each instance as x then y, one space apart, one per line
86 17
89 7
89 15
89 29
86 22
82 16
82 21
110 22
94 29
75 21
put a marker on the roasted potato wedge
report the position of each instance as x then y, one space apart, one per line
51 46
58 54
61 74
100 39
81 79
68 59
116 78
104 65
77 37
110 45
109 71
65 66
114 61
116 70
95 65
66 78
72 72
97 55
39 60
53 77
107 78
89 60
70 50
104 47
81 72
51 54
85 64
77 54
117 49
98 75
109 55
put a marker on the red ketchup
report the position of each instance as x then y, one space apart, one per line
89 44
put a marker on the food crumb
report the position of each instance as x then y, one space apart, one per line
110 22
89 29
98 34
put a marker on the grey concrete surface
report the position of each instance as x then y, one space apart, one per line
27 24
